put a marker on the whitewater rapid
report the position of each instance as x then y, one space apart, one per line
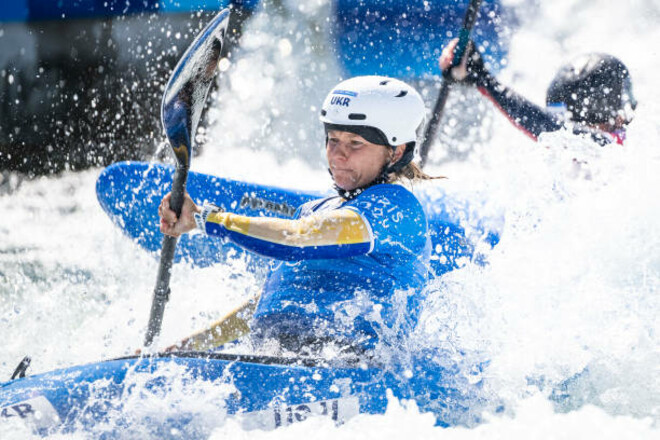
572 291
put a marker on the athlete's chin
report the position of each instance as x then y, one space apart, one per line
344 180
346 186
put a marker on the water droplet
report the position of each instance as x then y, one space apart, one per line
223 64
285 47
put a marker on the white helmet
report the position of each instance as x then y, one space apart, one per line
388 105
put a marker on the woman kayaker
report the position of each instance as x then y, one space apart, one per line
590 95
350 268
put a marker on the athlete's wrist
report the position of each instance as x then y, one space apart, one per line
201 215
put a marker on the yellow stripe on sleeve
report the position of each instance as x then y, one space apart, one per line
341 226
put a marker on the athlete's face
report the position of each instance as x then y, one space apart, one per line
354 161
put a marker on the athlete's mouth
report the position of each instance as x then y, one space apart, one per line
334 166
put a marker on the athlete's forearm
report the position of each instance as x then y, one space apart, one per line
338 234
524 114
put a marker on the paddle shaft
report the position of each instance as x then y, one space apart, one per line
162 290
447 80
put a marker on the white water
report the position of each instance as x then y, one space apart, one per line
574 283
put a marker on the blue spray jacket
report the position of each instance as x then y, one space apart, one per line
349 270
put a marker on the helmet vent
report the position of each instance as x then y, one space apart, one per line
323 113
402 93
357 116
384 83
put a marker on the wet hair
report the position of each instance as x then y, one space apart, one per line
413 173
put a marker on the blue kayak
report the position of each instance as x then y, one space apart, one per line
188 394
129 192
107 398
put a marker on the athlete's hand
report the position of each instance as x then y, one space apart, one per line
471 70
170 224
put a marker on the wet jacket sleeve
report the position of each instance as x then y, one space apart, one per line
338 233
530 118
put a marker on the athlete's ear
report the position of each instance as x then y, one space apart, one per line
398 153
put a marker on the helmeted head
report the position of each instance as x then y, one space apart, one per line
595 88
384 111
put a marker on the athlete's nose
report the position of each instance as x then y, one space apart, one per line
338 150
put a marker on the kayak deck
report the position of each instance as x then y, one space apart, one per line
191 387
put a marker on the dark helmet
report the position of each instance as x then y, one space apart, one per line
595 88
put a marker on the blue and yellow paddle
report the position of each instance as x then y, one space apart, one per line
183 102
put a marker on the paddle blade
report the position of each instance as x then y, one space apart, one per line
186 91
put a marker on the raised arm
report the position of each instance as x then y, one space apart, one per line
530 118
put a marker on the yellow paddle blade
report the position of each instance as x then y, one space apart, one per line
227 329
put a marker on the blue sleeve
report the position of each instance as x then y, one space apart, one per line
524 114
332 233
397 220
